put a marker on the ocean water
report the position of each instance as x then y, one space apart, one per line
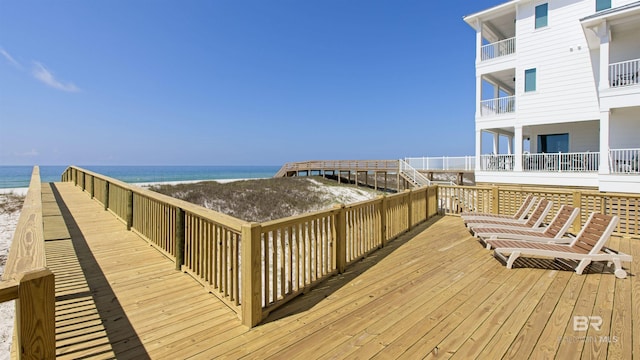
19 176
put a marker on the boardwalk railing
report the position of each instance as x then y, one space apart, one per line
346 165
506 200
27 280
256 267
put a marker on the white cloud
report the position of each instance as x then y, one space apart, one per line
44 75
10 58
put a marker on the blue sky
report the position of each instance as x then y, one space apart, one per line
234 82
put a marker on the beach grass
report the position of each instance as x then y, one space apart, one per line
262 200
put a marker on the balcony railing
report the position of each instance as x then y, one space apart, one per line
624 73
624 161
497 106
497 162
561 162
440 163
498 49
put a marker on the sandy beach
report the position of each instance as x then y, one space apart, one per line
8 222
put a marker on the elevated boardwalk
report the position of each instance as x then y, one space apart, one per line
433 292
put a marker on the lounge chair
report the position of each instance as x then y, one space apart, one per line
522 212
537 216
588 246
552 233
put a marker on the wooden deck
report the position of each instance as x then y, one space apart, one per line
434 292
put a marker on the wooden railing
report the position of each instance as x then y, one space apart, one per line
256 267
624 73
27 280
506 200
346 165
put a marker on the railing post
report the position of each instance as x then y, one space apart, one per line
93 190
180 238
495 205
383 221
577 202
129 212
251 270
409 209
106 195
341 238
35 315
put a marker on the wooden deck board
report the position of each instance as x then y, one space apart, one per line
435 287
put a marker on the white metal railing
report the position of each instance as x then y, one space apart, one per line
498 49
624 73
497 106
497 162
466 163
562 162
412 174
624 161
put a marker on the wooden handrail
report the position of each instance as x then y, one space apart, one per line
29 282
260 266
355 165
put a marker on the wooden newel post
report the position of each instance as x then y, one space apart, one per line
409 209
106 195
383 221
35 312
577 202
93 183
251 275
495 200
129 209
180 238
341 238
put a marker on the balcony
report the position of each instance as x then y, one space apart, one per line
624 73
498 49
561 162
498 106
497 162
624 161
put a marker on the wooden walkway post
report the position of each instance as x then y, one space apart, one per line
341 239
383 221
180 237
577 202
495 200
409 199
251 275
35 315
129 212
106 195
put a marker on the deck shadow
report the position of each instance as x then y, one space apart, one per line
330 285
111 318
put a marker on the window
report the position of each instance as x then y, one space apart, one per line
603 5
530 80
541 15
553 143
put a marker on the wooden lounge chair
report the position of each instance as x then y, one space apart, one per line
552 233
537 216
588 246
522 212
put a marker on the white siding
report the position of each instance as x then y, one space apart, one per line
583 136
566 88
625 46
625 128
